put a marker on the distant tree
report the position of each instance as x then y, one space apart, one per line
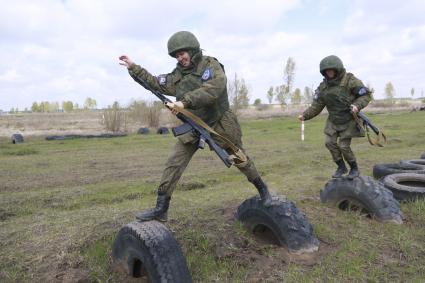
281 94
307 95
12 110
257 102
67 106
389 92
296 97
90 103
412 92
76 106
270 95
35 107
238 94
289 74
372 90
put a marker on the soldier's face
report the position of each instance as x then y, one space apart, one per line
183 58
330 73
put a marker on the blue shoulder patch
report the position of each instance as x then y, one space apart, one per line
162 79
362 91
207 75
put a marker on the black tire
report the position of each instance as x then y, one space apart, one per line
17 138
423 156
143 131
162 131
287 224
382 170
149 249
406 186
417 162
365 195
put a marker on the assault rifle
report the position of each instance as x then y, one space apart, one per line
189 125
366 124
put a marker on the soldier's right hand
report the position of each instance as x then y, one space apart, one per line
301 117
125 61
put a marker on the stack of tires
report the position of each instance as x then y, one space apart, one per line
405 179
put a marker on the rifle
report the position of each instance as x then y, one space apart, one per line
366 124
190 125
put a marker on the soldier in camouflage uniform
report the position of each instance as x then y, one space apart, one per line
342 94
200 85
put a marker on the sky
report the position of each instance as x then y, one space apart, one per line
52 50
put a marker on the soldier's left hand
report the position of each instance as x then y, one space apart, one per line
173 105
354 108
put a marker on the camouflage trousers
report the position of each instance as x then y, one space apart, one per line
340 149
186 147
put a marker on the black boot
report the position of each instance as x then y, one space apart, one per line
265 196
159 212
341 170
354 170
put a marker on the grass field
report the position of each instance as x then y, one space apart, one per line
62 203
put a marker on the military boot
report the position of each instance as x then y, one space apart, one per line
159 212
354 170
265 196
341 170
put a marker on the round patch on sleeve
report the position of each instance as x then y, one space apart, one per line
207 75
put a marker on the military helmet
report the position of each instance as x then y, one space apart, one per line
182 40
331 62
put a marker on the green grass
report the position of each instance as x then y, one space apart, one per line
62 203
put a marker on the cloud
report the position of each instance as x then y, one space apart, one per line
67 50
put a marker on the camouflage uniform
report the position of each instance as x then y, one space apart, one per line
202 89
337 95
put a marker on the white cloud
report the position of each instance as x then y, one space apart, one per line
67 50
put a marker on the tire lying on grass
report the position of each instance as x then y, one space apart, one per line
417 162
143 131
162 131
288 225
406 186
17 138
149 249
423 156
365 195
382 170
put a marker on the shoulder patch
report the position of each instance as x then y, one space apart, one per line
362 91
207 74
162 79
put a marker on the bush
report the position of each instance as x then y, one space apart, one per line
147 113
114 118
261 107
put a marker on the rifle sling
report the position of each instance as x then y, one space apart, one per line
372 141
238 156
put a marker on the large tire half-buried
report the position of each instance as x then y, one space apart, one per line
287 224
365 195
406 186
148 249
382 170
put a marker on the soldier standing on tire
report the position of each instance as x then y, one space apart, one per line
200 85
342 94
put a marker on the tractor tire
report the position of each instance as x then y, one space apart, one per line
365 195
287 224
382 170
406 186
17 138
149 249
143 131
417 162
162 131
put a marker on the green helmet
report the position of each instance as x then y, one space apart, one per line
182 40
331 62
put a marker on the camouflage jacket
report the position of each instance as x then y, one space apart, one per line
337 98
202 90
